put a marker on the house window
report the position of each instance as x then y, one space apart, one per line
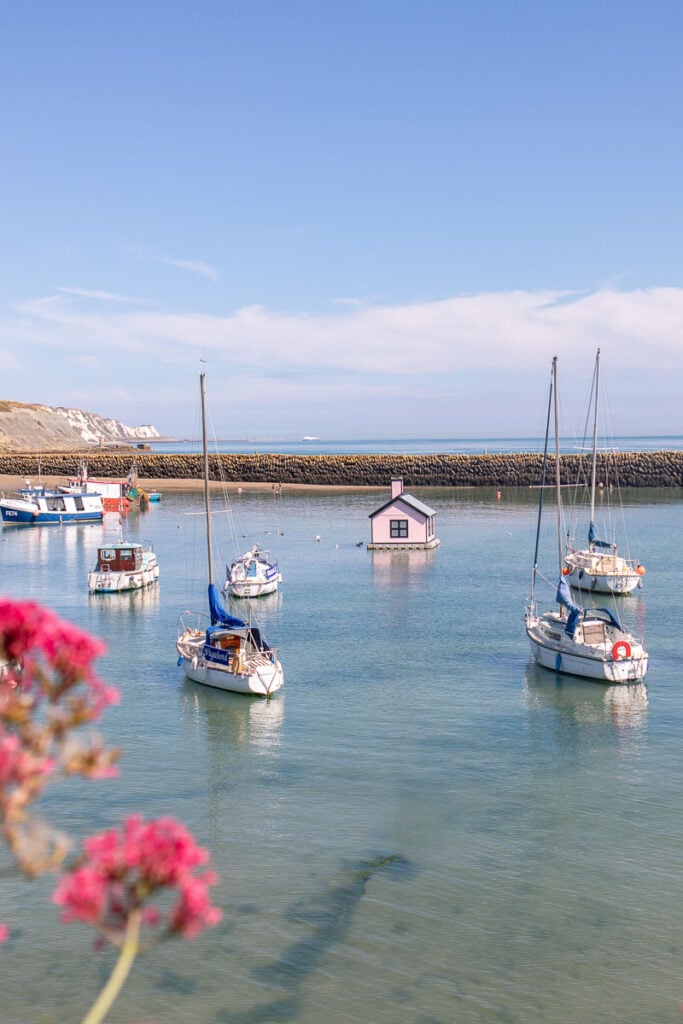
398 528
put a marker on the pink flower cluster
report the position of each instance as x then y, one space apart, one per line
22 775
121 870
49 691
41 650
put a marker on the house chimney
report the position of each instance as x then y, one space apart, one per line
396 488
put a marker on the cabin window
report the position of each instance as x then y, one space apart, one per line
398 528
108 555
126 554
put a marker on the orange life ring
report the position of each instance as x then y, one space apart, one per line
619 647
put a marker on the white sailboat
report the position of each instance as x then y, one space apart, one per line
221 650
599 567
252 575
587 642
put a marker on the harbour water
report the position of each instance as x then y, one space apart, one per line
423 827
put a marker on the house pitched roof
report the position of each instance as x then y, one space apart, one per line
408 499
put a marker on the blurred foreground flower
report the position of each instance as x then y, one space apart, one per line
49 692
122 870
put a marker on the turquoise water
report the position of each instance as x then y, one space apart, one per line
424 827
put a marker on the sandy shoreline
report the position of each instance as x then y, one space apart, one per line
13 483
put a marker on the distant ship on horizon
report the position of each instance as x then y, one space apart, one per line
310 437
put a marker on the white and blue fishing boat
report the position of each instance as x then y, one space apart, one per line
221 650
38 506
252 575
588 642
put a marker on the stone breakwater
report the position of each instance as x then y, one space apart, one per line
626 469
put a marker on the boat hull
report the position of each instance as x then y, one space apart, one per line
600 664
18 513
252 589
601 574
262 680
116 582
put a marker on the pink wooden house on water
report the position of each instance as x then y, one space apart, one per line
402 523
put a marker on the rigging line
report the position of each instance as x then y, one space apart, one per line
558 472
225 500
543 479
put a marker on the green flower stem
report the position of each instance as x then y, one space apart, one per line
131 944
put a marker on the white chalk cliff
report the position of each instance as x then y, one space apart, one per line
41 428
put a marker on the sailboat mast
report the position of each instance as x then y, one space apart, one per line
558 491
595 436
207 508
542 493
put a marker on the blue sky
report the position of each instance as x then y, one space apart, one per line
371 219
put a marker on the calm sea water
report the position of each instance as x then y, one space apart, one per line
415 446
424 827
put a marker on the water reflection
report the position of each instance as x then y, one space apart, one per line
33 543
233 718
624 707
398 567
256 610
144 600
627 706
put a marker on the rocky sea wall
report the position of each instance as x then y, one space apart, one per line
626 469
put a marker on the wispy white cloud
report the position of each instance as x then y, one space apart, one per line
193 266
503 331
86 293
476 355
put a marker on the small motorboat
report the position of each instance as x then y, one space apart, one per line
123 566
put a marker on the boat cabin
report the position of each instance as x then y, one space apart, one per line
402 523
119 558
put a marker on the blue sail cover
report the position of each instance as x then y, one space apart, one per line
611 617
564 597
219 616
592 539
